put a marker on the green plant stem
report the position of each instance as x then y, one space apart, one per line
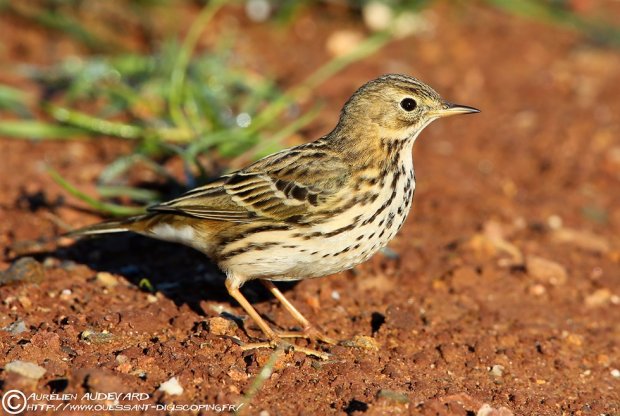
117 128
603 32
31 129
112 209
94 124
177 79
260 379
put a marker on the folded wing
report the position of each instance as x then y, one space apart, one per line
283 187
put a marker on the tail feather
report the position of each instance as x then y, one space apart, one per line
109 227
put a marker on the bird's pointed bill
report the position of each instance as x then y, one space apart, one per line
454 109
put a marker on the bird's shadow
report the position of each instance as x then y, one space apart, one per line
182 274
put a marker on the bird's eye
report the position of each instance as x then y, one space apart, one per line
408 104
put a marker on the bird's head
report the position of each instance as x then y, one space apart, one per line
396 107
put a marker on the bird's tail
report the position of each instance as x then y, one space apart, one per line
113 226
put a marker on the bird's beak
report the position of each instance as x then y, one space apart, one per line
450 109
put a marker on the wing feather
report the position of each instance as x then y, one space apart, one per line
284 186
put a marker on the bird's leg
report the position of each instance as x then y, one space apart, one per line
308 330
274 339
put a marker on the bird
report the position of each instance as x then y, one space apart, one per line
308 211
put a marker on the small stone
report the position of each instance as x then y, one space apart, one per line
342 42
16 327
555 222
26 269
124 368
25 369
171 387
573 339
50 262
393 395
537 290
377 15
615 373
151 298
25 302
362 341
600 297
106 279
258 10
221 326
497 370
581 239
545 270
96 337
487 410
68 265
335 295
237 375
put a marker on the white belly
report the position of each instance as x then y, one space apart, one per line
315 252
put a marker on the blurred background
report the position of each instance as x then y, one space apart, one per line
216 85
502 287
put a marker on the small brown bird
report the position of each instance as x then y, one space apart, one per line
311 210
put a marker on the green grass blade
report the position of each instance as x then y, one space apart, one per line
179 71
137 194
31 129
600 31
94 124
67 24
13 99
103 207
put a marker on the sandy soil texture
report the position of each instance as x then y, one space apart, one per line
504 291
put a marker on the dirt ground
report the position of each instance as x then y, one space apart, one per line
504 290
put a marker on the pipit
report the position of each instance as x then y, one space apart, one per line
311 210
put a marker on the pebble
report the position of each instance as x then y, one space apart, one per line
546 270
538 290
362 341
106 279
581 239
221 326
555 222
487 410
171 387
615 373
342 42
25 369
96 337
377 15
16 327
335 295
600 297
497 370
25 302
26 269
394 396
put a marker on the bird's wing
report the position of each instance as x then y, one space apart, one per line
284 187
